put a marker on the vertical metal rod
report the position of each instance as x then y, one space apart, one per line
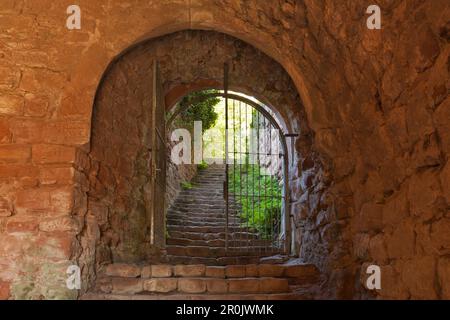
234 165
247 166
252 164
225 84
258 161
241 235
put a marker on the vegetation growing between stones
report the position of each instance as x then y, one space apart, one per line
260 198
202 166
186 185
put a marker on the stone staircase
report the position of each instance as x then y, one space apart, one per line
196 226
201 282
198 266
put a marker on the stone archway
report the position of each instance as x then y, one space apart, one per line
119 158
376 102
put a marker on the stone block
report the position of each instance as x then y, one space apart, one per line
53 154
270 270
370 217
444 277
11 105
4 290
35 106
123 270
60 224
161 271
127 286
419 275
217 285
15 153
146 272
215 272
235 271
191 285
301 271
252 270
161 285
440 235
271 285
22 225
401 243
243 285
189 270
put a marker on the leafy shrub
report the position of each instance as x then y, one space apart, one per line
202 110
260 198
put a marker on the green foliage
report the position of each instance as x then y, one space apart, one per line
202 166
260 197
203 110
186 185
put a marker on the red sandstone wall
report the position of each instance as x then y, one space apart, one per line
377 102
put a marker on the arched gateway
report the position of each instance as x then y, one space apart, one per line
238 212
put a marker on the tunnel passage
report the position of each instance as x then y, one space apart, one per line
119 203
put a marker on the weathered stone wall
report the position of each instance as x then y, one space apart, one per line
119 203
176 174
376 102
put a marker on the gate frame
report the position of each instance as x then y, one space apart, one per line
265 113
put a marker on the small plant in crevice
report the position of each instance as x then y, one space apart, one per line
186 185
202 166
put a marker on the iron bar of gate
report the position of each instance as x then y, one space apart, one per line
242 237
236 243
258 160
247 167
226 193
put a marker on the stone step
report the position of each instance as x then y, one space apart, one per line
218 242
185 196
191 223
212 236
201 210
215 261
195 220
203 193
196 217
304 272
204 204
199 229
207 296
206 252
201 217
130 281
182 199
193 285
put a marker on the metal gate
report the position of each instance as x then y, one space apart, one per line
158 161
256 184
